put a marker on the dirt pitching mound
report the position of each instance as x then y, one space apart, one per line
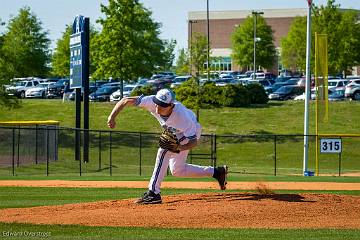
213 210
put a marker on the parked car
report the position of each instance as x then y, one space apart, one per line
102 94
99 83
92 88
313 94
39 91
263 82
212 77
293 81
278 85
110 84
19 88
282 78
337 83
127 90
244 75
221 82
337 95
352 90
166 76
227 77
56 89
286 92
179 80
262 75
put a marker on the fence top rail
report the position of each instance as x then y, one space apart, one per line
340 135
264 135
29 123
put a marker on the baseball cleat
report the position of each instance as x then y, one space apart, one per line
149 197
220 174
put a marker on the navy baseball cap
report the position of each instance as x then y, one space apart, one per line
164 97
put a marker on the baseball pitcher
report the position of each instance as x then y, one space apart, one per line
181 133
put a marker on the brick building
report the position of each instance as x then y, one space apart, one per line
223 23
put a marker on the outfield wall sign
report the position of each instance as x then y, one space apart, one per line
78 45
330 145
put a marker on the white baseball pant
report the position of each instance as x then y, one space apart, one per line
178 168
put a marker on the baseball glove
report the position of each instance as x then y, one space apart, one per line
169 141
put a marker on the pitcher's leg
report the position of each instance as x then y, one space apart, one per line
161 165
180 168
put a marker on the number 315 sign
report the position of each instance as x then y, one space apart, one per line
330 145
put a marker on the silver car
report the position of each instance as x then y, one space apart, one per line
352 90
39 91
115 96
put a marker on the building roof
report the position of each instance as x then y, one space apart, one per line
240 14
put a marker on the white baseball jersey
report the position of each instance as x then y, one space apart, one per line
182 120
183 123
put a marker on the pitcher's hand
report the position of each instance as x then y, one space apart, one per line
111 122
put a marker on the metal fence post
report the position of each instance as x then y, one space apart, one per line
18 148
110 145
215 147
211 149
99 150
140 147
80 170
13 152
47 151
275 139
36 144
57 132
340 160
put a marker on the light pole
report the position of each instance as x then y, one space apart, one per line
255 14
208 41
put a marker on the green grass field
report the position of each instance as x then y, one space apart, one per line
82 232
27 197
244 158
275 117
244 155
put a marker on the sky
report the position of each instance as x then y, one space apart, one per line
172 14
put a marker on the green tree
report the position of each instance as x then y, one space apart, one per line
243 43
168 55
342 29
128 46
343 33
25 47
182 63
350 43
198 52
61 56
293 49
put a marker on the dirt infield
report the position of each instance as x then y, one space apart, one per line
187 185
212 210
263 209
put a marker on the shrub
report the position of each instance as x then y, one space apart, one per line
187 93
257 94
235 96
211 94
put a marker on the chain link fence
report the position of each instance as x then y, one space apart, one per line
50 150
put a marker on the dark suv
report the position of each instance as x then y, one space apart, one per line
56 89
287 92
